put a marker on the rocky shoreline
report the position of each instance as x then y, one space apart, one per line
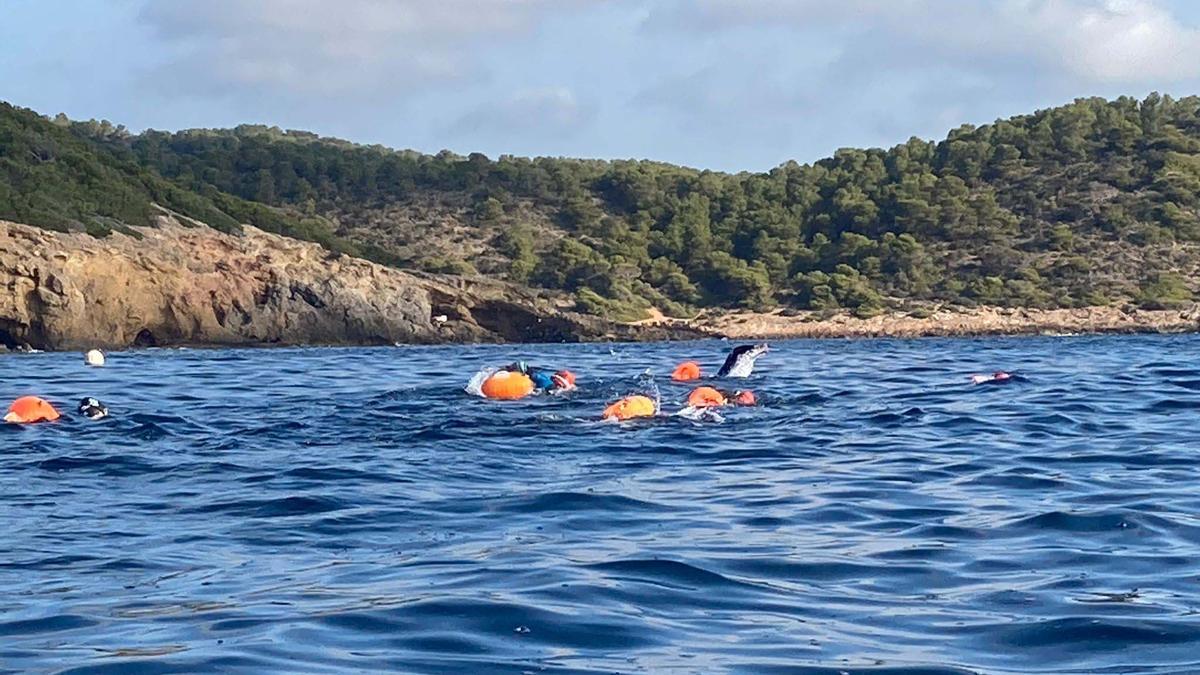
185 284
956 322
182 284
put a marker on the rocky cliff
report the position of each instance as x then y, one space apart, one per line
184 284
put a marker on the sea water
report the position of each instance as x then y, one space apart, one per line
321 510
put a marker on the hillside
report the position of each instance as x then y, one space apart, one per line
1089 204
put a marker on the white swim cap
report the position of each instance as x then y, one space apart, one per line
94 357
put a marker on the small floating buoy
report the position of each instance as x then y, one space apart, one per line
30 409
706 397
630 407
94 357
507 386
686 372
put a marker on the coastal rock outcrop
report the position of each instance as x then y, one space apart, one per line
183 284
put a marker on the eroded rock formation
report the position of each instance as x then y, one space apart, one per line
180 284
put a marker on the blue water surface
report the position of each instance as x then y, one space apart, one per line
323 510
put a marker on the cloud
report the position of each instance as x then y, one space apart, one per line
1105 41
721 83
1116 41
354 48
766 80
552 112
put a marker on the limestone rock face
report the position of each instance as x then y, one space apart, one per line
193 285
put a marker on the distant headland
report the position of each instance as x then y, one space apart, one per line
1082 218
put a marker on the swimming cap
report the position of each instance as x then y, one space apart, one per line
564 379
745 398
94 357
706 397
686 372
629 408
28 409
507 386
92 408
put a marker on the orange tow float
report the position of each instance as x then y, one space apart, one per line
687 371
507 386
631 407
706 397
30 409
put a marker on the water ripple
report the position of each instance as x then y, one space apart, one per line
351 510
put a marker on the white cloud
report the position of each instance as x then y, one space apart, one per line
1116 40
1103 41
343 48
546 112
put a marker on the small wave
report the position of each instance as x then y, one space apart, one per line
300 505
46 626
578 501
111 465
669 573
1167 405
1072 636
1076 522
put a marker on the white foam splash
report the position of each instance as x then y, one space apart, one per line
475 384
700 414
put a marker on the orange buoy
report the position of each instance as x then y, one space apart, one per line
686 372
706 397
29 409
745 398
507 386
630 407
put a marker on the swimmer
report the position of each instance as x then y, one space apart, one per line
551 382
709 397
518 381
630 407
740 362
998 377
29 410
92 408
94 358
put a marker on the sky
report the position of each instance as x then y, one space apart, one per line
730 85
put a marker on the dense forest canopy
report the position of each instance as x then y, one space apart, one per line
1086 204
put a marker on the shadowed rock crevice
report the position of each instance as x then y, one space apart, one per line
516 323
7 341
145 338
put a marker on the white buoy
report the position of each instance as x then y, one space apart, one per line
94 357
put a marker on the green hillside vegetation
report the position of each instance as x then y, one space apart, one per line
1091 203
80 176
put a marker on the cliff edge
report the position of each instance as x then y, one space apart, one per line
181 284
